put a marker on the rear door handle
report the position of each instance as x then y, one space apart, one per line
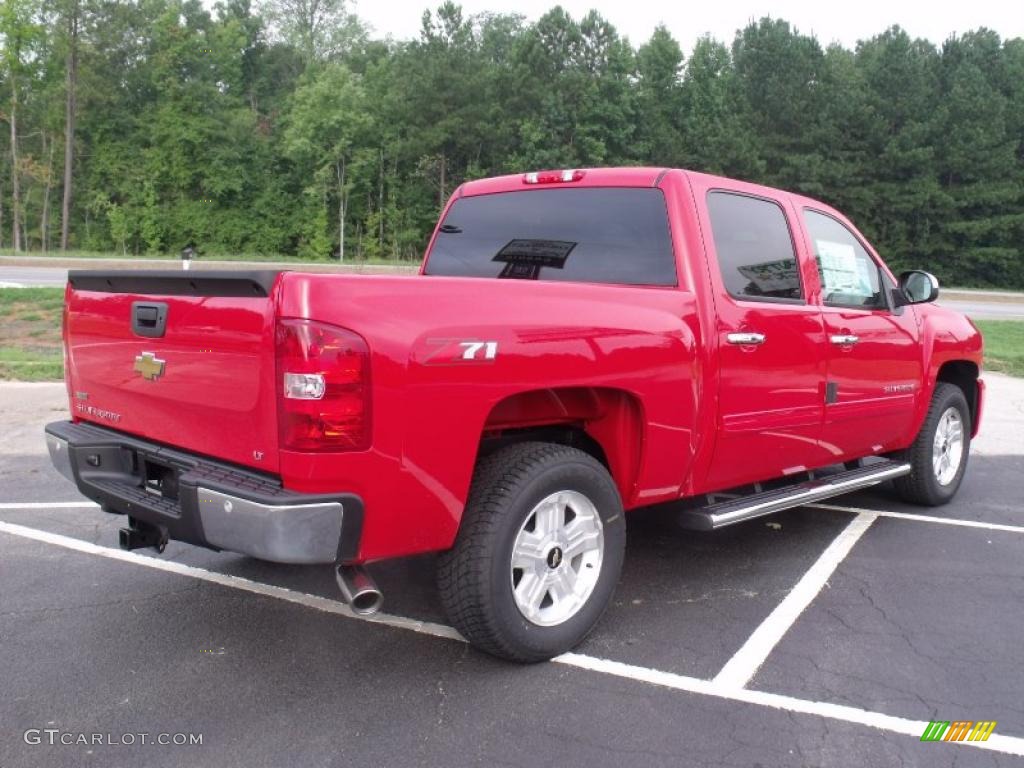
845 339
745 339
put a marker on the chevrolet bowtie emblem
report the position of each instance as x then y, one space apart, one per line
149 366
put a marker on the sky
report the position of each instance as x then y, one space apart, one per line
844 21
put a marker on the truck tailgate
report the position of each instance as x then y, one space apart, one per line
179 358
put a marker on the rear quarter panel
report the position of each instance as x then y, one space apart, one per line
430 405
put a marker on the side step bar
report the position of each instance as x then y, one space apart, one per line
724 513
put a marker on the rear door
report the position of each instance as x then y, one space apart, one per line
874 355
771 341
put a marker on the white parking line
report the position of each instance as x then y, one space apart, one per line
924 518
744 664
226 580
1011 745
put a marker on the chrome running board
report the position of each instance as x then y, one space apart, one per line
737 510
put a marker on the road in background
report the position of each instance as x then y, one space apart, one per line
975 305
21 277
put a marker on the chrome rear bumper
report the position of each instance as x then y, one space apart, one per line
205 502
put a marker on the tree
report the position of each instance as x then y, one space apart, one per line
976 163
572 97
842 135
328 118
905 204
20 33
443 81
319 29
71 22
778 73
280 126
660 98
716 122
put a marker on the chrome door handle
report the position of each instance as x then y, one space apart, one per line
845 339
745 339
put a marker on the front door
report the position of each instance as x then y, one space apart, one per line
771 344
874 355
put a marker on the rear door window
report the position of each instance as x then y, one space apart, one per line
594 235
755 249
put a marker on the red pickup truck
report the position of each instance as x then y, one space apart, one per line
578 343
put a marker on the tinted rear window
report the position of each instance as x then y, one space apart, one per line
582 235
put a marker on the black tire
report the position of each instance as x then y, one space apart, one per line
922 486
475 576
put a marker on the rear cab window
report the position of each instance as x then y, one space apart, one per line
756 256
617 235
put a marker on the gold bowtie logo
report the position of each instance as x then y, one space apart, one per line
149 366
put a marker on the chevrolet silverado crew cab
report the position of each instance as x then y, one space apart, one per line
578 344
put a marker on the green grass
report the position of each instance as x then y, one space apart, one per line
31 298
1004 345
31 364
30 345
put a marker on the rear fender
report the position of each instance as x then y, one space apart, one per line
613 418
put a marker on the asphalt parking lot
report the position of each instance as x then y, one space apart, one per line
823 636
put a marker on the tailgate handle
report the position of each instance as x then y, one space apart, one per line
149 318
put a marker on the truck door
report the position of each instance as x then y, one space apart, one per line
875 367
771 342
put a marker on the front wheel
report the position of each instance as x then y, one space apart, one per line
938 456
538 553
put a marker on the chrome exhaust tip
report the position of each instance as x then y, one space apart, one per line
358 589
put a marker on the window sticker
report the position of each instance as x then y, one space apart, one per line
864 269
840 271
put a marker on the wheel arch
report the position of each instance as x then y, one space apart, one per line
605 422
964 375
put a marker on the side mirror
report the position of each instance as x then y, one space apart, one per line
918 287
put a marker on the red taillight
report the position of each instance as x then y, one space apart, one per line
552 177
323 387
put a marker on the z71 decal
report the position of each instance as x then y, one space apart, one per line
460 352
474 350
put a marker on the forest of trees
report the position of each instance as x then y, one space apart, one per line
286 127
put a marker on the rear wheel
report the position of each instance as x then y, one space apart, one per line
538 553
938 456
